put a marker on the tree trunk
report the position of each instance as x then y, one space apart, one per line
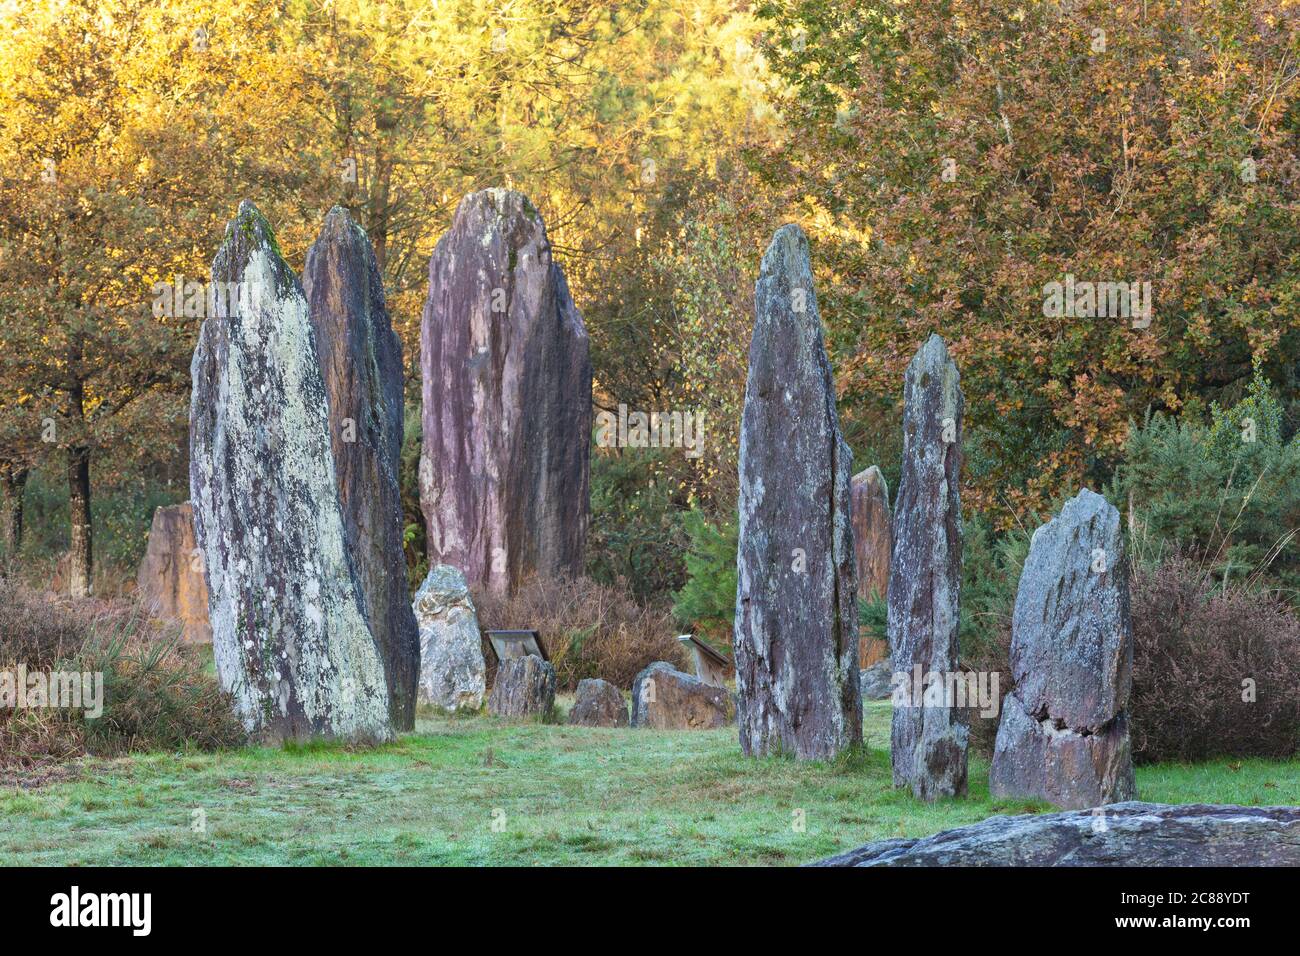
80 553
14 481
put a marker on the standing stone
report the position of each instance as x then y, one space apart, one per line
796 629
1064 734
598 704
289 629
525 687
361 362
453 675
928 737
170 581
873 547
507 399
664 698
873 536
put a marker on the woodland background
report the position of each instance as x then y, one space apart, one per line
663 142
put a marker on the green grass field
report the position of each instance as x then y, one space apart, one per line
476 791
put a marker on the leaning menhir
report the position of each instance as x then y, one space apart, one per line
289 629
361 362
504 480
796 628
1064 734
928 739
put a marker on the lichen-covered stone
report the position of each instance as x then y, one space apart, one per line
1064 734
1123 834
598 704
928 742
453 674
796 628
664 698
289 630
504 480
873 534
361 363
170 580
877 680
524 687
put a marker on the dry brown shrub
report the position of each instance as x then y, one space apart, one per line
589 629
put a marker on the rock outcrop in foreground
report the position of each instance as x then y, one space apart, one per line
361 362
796 626
1064 734
1122 834
928 740
170 580
289 630
504 479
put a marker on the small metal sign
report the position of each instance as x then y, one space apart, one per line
508 645
710 666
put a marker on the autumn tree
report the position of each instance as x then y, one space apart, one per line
955 159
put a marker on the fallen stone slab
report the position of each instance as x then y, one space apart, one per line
599 704
1121 834
877 680
664 698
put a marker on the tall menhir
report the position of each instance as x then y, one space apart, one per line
504 480
929 737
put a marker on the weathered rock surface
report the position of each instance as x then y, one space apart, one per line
664 698
796 628
170 580
504 480
599 704
1122 834
289 629
361 362
928 743
877 680
525 687
1064 732
873 533
453 674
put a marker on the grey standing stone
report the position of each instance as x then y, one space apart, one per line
796 628
664 698
928 741
1123 834
525 687
504 481
453 674
1064 734
361 362
289 630
878 680
598 704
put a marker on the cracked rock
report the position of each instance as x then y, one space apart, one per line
1064 734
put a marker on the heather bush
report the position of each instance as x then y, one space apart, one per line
1216 669
589 629
156 695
